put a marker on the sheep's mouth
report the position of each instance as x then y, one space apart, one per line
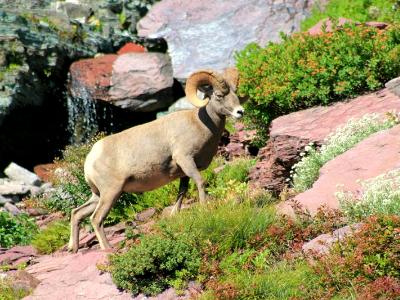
236 116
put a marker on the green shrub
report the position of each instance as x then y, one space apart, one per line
154 264
52 238
16 230
357 10
307 170
303 70
370 255
380 195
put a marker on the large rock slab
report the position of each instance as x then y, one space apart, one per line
73 276
206 34
67 276
291 133
135 81
374 156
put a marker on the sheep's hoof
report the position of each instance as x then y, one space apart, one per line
175 210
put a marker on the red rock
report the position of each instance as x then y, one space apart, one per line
43 220
327 23
134 81
291 133
318 28
239 142
145 215
73 276
379 25
374 156
17 255
322 243
92 76
22 280
45 171
131 47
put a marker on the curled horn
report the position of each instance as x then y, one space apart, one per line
200 78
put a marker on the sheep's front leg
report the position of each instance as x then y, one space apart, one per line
183 187
189 167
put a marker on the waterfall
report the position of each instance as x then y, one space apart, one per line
82 119
87 117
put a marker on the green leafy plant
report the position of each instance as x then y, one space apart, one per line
16 230
304 70
306 171
380 195
52 238
154 264
357 10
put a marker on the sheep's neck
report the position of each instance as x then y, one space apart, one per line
214 122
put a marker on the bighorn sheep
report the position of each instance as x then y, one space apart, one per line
148 156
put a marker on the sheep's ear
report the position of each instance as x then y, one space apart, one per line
231 75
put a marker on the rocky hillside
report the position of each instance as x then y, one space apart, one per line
303 194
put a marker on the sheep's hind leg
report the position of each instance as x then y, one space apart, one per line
183 188
106 202
77 215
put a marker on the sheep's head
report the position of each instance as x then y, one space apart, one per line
222 96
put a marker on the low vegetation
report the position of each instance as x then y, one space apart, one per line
16 230
345 137
363 266
9 292
380 196
357 10
304 70
53 237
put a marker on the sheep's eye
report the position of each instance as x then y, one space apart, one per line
219 96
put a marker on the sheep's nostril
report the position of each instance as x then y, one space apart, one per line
240 112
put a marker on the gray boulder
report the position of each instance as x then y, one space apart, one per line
394 86
206 34
11 208
4 200
13 188
18 173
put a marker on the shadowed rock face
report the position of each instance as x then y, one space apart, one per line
206 34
